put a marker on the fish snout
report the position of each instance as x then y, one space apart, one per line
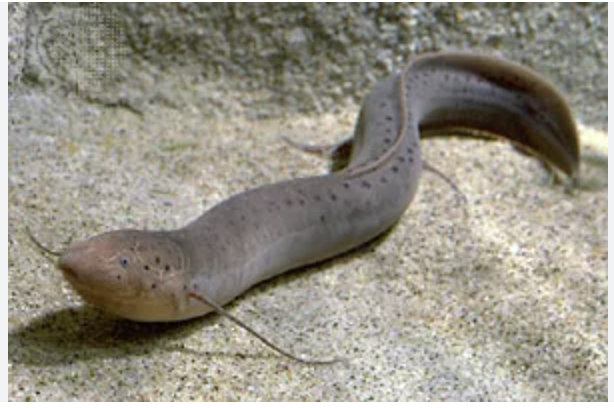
76 261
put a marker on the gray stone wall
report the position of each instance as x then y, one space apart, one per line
311 56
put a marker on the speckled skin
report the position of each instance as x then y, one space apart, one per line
256 235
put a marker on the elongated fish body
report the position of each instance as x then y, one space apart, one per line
261 233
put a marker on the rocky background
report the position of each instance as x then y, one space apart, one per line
306 57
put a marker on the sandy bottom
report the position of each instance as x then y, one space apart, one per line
502 298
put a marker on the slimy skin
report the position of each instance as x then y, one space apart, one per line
261 233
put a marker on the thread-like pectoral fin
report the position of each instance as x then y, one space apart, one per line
338 153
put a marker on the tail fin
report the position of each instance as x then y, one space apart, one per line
481 95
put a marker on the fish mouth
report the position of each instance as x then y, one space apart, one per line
96 294
127 304
111 301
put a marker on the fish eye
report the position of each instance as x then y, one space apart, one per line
123 262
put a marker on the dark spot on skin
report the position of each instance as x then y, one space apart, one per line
301 201
384 180
382 105
395 169
119 277
243 218
323 218
388 130
411 159
167 268
389 118
401 159
366 184
123 262
346 185
157 260
289 203
386 140
153 286
410 150
195 287
146 267
333 197
317 198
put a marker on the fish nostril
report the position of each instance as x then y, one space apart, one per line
67 264
68 271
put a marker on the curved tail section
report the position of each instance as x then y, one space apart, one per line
475 94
